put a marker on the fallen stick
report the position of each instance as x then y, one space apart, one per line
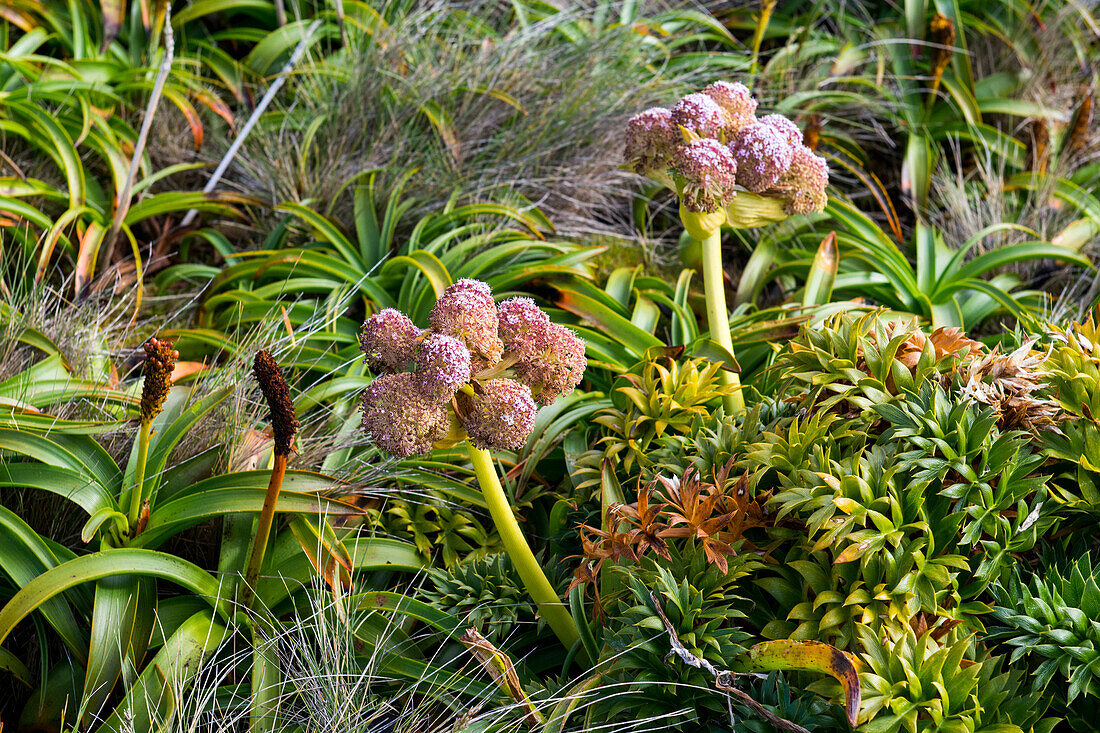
723 678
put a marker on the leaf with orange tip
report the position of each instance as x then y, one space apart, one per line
114 12
189 113
215 105
812 656
87 254
184 369
22 21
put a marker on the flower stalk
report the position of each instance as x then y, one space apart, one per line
523 559
284 425
160 360
718 316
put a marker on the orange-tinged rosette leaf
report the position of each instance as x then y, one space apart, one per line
812 656
114 11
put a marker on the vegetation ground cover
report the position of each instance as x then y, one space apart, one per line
404 365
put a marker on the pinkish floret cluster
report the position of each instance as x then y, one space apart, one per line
765 155
700 114
459 369
399 419
499 415
442 366
803 185
709 172
549 358
466 311
388 340
650 137
736 101
789 131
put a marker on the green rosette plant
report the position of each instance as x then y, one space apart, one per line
477 374
727 167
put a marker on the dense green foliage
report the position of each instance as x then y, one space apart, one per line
899 529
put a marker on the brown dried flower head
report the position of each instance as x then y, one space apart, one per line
160 360
283 422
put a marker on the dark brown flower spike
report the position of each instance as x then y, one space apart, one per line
283 423
160 360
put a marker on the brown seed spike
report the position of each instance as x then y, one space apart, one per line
160 360
283 423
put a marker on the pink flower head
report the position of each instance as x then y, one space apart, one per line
502 415
398 419
763 155
442 366
388 340
521 321
549 358
466 311
651 139
791 132
709 172
737 102
804 183
700 114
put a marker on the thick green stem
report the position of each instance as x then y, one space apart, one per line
263 530
718 318
137 490
542 593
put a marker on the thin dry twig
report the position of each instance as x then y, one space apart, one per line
123 204
723 678
230 154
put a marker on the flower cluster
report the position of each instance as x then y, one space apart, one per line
160 360
480 371
273 385
711 140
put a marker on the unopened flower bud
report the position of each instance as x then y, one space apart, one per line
160 360
763 155
466 311
736 101
388 340
700 114
708 172
651 138
442 366
501 415
272 383
803 186
398 419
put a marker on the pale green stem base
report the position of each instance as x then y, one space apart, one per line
718 318
137 490
534 579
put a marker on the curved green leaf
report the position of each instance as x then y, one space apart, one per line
105 564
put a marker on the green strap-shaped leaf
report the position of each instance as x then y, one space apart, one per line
152 699
166 438
329 232
103 564
406 606
610 322
185 511
23 557
11 664
76 487
80 453
122 623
